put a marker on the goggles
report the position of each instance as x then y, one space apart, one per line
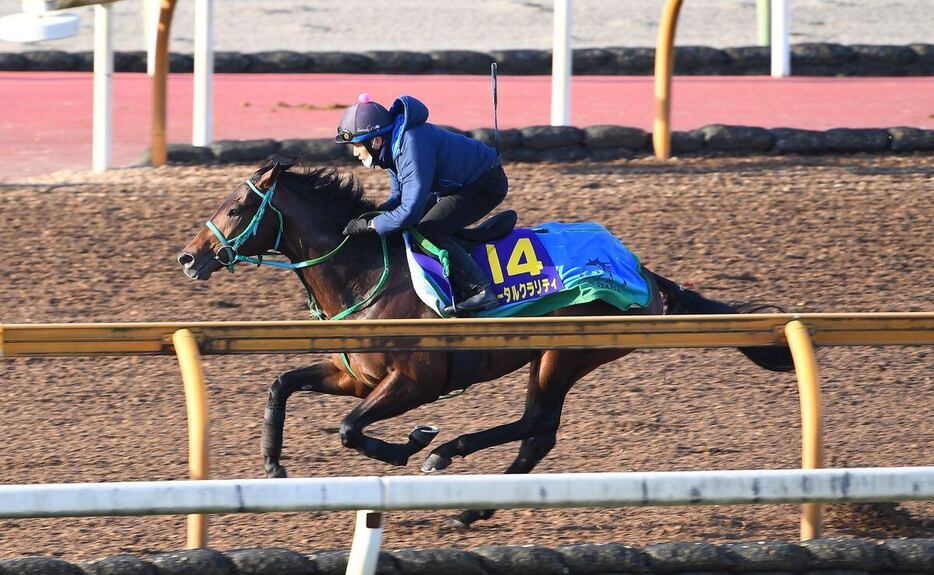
345 135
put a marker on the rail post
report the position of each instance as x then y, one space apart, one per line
150 25
367 538
664 64
189 359
203 109
781 48
764 22
102 117
812 449
561 64
160 80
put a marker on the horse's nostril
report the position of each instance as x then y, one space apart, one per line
185 259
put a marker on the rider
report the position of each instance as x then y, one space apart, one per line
439 182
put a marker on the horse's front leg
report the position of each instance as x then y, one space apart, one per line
395 395
321 377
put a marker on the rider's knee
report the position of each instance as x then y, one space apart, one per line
431 229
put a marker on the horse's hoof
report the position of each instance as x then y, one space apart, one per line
276 472
455 524
435 462
422 435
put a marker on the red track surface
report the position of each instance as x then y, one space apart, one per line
45 118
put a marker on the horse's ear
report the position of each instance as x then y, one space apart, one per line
270 175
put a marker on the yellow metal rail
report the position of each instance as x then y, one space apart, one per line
812 445
160 82
218 338
801 332
664 66
196 401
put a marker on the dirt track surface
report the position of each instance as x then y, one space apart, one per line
813 235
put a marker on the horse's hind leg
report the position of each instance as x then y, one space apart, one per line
463 445
321 377
559 371
550 378
533 450
395 395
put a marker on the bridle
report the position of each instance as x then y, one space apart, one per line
231 247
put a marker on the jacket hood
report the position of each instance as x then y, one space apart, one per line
408 113
413 111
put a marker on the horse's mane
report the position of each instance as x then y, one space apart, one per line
340 193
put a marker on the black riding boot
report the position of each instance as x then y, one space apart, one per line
472 290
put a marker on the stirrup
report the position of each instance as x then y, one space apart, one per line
485 300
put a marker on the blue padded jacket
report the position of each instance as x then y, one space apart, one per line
426 160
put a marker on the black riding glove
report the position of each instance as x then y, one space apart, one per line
357 226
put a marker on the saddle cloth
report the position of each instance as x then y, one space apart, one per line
537 270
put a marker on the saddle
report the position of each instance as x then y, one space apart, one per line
495 227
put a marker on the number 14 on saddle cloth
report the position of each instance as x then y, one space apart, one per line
537 270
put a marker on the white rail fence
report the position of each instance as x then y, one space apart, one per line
472 491
464 491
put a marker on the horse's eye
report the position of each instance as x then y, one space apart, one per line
233 213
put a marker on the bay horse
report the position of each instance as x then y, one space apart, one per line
304 224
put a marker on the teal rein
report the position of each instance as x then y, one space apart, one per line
232 246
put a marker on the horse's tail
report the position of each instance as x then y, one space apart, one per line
684 301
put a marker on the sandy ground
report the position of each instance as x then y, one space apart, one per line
824 234
358 25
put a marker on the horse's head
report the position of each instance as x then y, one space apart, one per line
250 223
245 224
